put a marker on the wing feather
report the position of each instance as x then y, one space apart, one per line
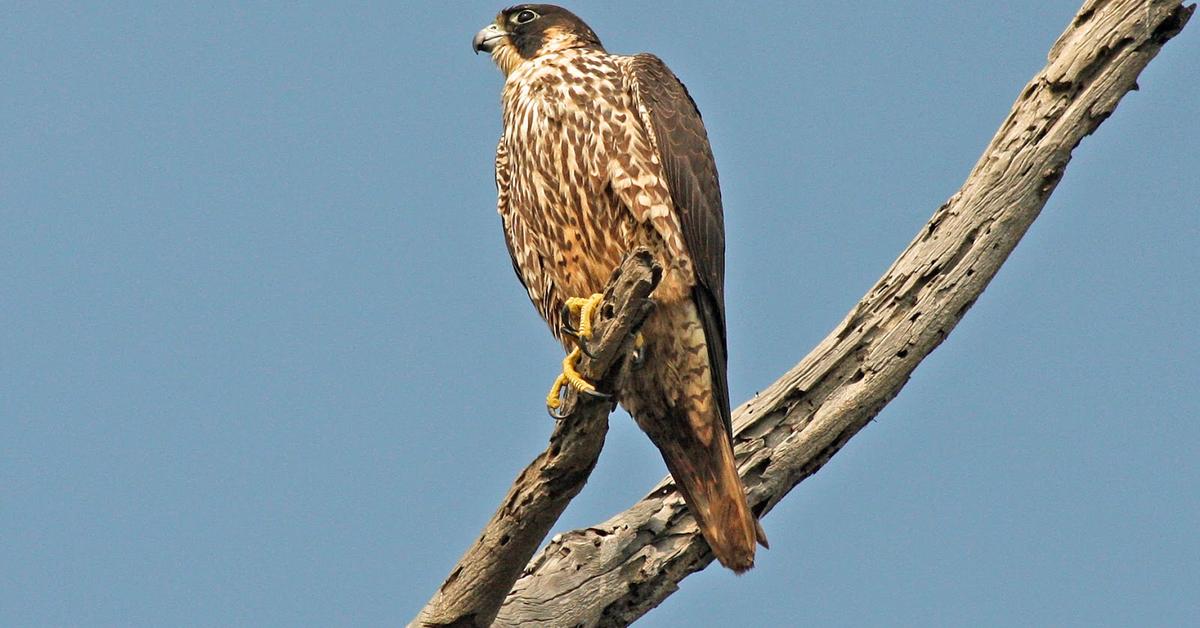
673 121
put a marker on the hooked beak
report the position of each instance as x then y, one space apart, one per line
487 38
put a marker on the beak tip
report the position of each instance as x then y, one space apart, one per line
486 38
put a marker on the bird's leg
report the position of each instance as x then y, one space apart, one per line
585 309
570 376
571 332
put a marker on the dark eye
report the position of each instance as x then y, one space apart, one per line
525 17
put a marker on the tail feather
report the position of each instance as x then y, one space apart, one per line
714 493
678 396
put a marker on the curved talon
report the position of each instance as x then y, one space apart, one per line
595 394
570 376
574 379
585 309
566 315
555 414
573 334
554 397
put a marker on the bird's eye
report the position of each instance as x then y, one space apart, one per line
525 17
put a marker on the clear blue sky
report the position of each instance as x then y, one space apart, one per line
263 359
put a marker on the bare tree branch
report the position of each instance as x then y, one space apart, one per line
472 594
612 573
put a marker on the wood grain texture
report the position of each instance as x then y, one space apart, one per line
612 573
475 588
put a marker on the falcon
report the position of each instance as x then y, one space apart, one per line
602 153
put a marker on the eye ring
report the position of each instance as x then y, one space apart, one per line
525 16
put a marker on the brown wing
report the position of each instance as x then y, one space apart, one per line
670 115
532 277
503 180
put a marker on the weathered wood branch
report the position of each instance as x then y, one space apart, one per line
612 573
472 594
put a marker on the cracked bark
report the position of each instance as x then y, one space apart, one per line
472 593
612 573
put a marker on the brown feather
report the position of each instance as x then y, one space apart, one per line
602 153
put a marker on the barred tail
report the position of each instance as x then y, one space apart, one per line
708 478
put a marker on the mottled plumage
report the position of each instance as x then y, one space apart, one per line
602 153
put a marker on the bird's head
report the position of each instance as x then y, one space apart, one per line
527 31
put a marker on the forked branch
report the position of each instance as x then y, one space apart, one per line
612 573
477 585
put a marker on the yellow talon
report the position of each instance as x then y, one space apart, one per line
573 377
569 377
554 400
585 309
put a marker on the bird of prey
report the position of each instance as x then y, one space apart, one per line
600 154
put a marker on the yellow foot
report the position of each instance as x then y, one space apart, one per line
569 377
584 308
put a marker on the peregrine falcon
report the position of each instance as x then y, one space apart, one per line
600 154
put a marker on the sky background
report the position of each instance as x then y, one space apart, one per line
263 359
